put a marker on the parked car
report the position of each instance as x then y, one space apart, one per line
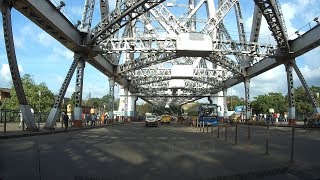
151 120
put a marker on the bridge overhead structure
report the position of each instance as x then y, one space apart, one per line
173 51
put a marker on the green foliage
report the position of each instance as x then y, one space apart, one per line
31 89
144 108
302 102
263 103
233 101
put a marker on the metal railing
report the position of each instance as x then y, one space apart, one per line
10 119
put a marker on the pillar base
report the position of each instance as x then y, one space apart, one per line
292 122
49 128
32 130
77 123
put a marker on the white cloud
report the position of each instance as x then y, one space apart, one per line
45 39
5 75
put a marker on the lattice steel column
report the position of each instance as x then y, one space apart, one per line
304 83
292 110
78 92
135 105
125 103
210 100
247 98
111 101
13 65
225 109
55 111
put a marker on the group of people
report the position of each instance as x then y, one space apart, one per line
91 118
271 117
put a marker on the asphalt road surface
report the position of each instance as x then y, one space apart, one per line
133 151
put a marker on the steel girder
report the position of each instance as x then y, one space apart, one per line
272 12
13 65
85 25
55 111
51 20
127 9
168 20
306 87
104 8
306 42
213 22
168 44
143 62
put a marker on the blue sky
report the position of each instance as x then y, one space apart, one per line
48 61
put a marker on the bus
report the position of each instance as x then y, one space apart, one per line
209 114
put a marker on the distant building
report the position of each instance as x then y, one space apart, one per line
5 93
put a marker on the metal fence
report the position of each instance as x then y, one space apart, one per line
10 119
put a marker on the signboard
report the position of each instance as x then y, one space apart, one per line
240 108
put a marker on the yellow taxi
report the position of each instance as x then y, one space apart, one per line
165 118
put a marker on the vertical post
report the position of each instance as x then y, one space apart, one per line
226 133
225 109
218 136
292 144
39 92
111 101
291 115
23 125
78 93
236 135
5 122
267 140
249 134
125 104
247 99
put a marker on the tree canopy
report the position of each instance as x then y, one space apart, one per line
44 100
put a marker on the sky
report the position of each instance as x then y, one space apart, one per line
48 61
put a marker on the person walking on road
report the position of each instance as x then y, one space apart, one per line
65 120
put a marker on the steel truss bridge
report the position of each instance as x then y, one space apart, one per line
174 51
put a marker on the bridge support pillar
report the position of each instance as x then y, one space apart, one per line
55 111
13 65
304 83
125 104
78 93
291 110
111 101
247 99
225 107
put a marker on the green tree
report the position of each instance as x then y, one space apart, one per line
233 101
263 103
143 108
31 90
302 102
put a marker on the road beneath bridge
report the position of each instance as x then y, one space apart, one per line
132 151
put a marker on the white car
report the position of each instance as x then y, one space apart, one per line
151 120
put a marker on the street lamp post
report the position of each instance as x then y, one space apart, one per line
39 93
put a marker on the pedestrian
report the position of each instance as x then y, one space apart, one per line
61 118
21 119
65 120
87 119
93 119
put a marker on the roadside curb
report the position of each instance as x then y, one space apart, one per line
47 132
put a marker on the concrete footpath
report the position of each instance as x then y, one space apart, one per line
14 131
